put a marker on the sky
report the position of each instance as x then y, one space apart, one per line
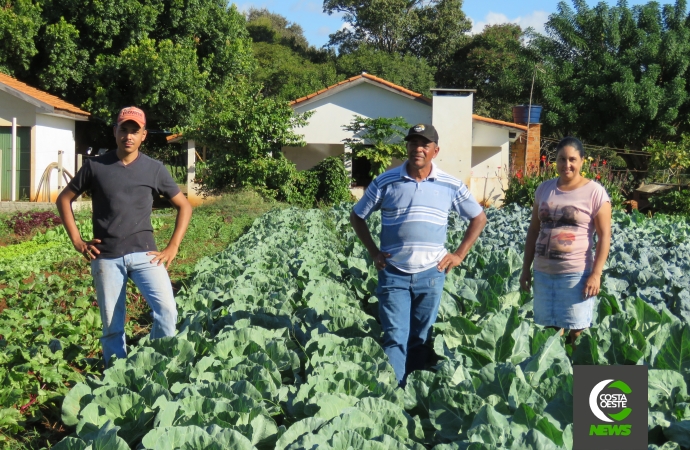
317 25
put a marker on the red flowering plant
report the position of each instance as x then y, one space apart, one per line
522 183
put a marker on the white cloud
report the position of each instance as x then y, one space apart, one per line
536 20
323 31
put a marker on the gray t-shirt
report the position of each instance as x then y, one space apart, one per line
122 200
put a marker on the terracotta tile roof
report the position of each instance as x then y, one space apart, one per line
369 77
173 138
42 96
499 122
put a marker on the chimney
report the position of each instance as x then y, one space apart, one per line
526 150
452 118
527 143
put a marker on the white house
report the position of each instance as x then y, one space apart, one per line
474 149
39 130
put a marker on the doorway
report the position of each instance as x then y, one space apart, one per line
23 179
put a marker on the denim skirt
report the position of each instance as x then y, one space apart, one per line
558 300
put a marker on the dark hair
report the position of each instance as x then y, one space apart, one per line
571 142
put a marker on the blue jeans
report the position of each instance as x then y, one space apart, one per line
408 305
110 276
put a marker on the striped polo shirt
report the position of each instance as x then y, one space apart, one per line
414 215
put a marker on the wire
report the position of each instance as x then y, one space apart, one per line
597 147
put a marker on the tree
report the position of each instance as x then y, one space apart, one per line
19 25
377 140
159 54
286 75
617 76
265 26
287 66
498 65
407 71
245 132
432 29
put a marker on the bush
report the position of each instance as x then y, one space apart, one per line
674 202
277 178
303 188
334 182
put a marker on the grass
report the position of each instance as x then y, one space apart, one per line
214 226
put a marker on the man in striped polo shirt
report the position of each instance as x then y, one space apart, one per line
414 200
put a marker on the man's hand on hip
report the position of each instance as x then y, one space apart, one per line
88 249
448 262
165 256
380 260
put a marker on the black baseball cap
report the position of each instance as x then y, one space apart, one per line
423 129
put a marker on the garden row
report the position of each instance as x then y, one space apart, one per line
277 348
49 321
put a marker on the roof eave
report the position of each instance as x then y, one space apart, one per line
45 107
68 114
352 82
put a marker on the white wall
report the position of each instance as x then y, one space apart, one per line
332 112
11 106
453 122
312 154
490 157
52 134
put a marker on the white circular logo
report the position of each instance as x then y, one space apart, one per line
419 128
593 401
615 400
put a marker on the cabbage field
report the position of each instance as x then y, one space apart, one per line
277 348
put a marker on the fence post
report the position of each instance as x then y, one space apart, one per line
13 162
60 172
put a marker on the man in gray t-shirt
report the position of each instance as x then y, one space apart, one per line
122 185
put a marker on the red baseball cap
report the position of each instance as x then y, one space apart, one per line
132 113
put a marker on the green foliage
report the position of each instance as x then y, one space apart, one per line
303 188
671 157
674 202
426 29
405 70
522 185
162 55
46 288
244 131
616 75
275 350
287 75
377 140
272 28
167 82
334 181
19 27
179 173
498 64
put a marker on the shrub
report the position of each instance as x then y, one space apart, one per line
303 187
334 182
672 158
674 202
